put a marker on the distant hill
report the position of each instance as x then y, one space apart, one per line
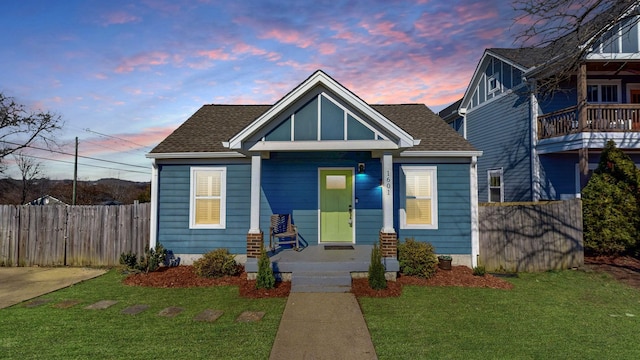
88 192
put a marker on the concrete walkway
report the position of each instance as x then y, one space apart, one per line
322 326
18 284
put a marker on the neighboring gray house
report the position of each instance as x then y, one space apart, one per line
532 145
46 200
348 173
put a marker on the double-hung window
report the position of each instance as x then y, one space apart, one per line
208 197
496 185
419 208
603 91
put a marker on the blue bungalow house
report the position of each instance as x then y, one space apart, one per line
532 145
345 171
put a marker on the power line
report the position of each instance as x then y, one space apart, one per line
80 156
115 137
95 166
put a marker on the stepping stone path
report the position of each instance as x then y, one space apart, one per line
101 305
135 309
66 304
171 311
208 315
36 302
250 316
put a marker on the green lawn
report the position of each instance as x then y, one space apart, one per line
46 332
553 315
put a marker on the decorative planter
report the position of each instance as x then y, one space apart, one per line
444 263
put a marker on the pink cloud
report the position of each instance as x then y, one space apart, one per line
288 37
386 29
119 17
327 48
243 48
143 61
217 54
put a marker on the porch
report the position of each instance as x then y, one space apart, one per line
599 118
323 268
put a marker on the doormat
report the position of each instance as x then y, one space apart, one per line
338 247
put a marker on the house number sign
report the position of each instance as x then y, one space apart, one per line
387 182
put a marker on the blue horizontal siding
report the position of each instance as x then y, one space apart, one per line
501 130
453 235
173 212
290 186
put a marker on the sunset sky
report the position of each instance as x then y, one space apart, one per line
124 74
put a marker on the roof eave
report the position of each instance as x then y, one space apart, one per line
195 155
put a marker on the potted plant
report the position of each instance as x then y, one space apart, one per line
444 262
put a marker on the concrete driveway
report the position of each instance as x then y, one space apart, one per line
18 284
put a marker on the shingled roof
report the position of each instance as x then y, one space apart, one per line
211 125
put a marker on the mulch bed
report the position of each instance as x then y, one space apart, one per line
184 276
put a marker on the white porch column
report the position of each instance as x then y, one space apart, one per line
153 223
254 221
475 232
387 194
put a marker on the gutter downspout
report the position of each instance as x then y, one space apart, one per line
463 112
475 231
153 231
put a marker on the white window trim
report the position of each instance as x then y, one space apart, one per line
599 83
496 88
631 86
501 174
434 198
223 198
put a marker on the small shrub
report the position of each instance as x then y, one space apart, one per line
417 258
377 280
129 259
152 258
216 263
265 279
479 271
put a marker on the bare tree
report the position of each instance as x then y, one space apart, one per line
19 128
30 169
567 30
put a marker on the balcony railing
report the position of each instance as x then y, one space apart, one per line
600 118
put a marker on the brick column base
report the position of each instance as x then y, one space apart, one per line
254 245
389 244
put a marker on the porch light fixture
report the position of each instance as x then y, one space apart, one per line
360 168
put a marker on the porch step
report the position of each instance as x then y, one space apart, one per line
320 281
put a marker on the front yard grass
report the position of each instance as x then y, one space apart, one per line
46 332
553 315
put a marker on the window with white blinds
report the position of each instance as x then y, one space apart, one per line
419 191
208 197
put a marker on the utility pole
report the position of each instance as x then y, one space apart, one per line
75 174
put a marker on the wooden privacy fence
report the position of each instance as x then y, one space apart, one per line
71 235
535 237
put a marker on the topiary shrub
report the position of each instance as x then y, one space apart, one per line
377 281
417 258
216 263
265 279
611 214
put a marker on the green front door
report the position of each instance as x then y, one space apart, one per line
336 215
